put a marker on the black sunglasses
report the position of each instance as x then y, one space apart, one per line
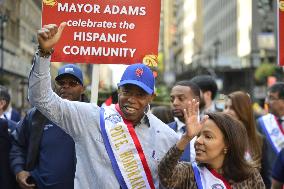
71 83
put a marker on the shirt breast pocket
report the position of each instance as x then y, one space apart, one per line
99 138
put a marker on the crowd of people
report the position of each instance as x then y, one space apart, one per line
66 142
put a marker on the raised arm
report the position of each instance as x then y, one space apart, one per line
174 174
49 35
66 114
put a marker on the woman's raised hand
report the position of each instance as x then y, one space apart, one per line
192 120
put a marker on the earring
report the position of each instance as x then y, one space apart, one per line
225 150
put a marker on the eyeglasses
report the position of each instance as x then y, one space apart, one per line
71 83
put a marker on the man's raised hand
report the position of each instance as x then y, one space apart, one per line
49 35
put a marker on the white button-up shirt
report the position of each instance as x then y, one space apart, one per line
81 121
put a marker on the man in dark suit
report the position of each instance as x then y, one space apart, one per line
12 114
4 104
271 125
7 180
181 93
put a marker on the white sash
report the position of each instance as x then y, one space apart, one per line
272 131
125 152
205 179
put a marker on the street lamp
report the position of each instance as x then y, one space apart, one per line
3 20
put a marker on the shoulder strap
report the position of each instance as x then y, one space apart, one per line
36 123
197 175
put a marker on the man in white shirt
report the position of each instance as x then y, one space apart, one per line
123 142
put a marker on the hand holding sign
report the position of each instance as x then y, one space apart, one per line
49 35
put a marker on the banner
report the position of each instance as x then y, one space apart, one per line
105 31
281 33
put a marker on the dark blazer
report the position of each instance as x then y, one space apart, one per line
186 154
7 179
264 171
272 155
268 157
15 115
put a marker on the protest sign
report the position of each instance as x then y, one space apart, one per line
106 31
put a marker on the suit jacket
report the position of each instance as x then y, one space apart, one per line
7 179
272 155
15 115
186 154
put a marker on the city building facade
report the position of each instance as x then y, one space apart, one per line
227 39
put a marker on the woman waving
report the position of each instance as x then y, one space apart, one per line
220 162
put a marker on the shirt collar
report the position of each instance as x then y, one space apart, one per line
180 124
143 121
211 108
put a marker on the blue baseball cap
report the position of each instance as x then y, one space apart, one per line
140 75
70 69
